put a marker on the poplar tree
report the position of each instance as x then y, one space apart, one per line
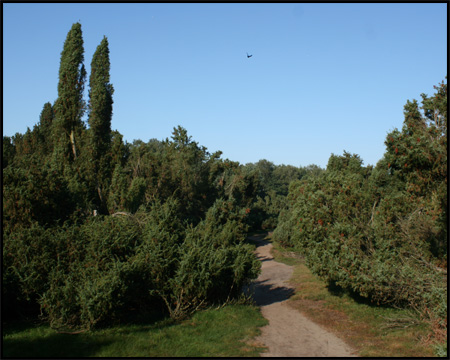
69 106
100 113
100 100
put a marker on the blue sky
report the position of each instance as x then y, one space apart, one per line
323 78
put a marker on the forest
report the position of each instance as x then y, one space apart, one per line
96 228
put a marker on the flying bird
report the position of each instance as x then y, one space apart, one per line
249 56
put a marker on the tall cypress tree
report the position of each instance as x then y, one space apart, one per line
100 113
100 100
69 106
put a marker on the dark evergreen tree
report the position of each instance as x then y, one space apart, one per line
69 106
8 152
266 169
100 113
435 108
44 129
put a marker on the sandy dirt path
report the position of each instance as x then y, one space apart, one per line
289 333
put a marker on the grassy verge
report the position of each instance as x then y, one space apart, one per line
223 332
374 331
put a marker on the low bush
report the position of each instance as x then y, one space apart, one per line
376 246
91 274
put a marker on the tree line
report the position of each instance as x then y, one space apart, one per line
171 218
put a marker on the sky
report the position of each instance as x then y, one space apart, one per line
323 78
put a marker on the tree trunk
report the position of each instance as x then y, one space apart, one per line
72 140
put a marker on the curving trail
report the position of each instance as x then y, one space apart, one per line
289 333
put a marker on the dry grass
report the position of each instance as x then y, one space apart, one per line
373 331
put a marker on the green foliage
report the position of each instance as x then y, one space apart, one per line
179 168
379 232
8 151
100 100
271 189
194 266
70 106
117 190
84 275
417 156
34 192
92 277
45 128
136 194
100 113
175 207
172 168
28 256
268 209
210 272
224 223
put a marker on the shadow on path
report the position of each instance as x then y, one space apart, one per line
258 239
267 294
264 291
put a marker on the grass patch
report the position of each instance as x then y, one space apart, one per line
224 332
374 331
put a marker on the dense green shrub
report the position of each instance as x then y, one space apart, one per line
358 241
202 264
211 271
267 209
158 170
32 191
380 232
272 184
88 283
29 255
88 274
